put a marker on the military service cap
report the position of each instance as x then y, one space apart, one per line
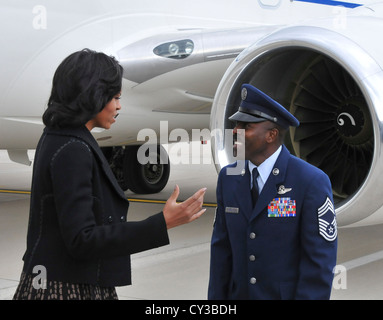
256 106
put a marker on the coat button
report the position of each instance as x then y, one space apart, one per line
252 258
252 235
253 280
122 218
110 219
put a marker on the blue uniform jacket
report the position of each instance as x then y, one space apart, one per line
284 248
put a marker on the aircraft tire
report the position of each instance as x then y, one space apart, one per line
146 178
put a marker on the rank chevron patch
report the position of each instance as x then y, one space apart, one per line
327 221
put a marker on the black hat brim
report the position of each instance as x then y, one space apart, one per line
244 117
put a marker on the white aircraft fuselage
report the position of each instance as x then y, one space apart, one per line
183 63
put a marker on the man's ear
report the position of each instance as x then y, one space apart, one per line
272 135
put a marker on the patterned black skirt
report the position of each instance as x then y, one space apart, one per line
57 290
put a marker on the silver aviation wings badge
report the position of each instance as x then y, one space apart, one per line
282 189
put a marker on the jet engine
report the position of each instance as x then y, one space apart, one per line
331 79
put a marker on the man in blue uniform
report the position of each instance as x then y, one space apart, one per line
274 237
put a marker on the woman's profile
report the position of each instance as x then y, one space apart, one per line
78 229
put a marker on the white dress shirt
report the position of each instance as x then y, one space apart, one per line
264 169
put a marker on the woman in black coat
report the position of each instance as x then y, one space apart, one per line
79 241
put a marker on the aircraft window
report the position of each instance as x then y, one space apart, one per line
175 50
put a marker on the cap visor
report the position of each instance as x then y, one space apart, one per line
244 117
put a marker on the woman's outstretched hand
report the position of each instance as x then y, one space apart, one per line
177 214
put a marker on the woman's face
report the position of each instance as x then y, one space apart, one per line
107 116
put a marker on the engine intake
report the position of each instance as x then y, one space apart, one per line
334 88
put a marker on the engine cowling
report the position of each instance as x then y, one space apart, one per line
332 81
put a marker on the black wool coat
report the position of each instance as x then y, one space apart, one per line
78 227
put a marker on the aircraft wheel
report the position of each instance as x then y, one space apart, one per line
146 178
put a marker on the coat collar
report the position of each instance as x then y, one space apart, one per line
84 134
270 189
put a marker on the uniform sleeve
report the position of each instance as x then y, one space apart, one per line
318 241
220 253
71 171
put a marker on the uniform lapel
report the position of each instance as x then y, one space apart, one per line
242 192
276 178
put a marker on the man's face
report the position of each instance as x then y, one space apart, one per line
257 137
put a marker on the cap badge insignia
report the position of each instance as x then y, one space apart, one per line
244 94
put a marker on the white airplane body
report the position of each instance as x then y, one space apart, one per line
184 62
32 52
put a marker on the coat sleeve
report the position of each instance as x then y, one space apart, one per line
71 173
220 253
318 241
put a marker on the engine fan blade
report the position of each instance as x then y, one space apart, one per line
336 130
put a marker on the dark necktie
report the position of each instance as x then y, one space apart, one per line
254 189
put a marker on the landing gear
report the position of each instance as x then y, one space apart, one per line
140 178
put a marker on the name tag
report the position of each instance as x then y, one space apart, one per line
231 210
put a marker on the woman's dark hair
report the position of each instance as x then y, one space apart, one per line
82 85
